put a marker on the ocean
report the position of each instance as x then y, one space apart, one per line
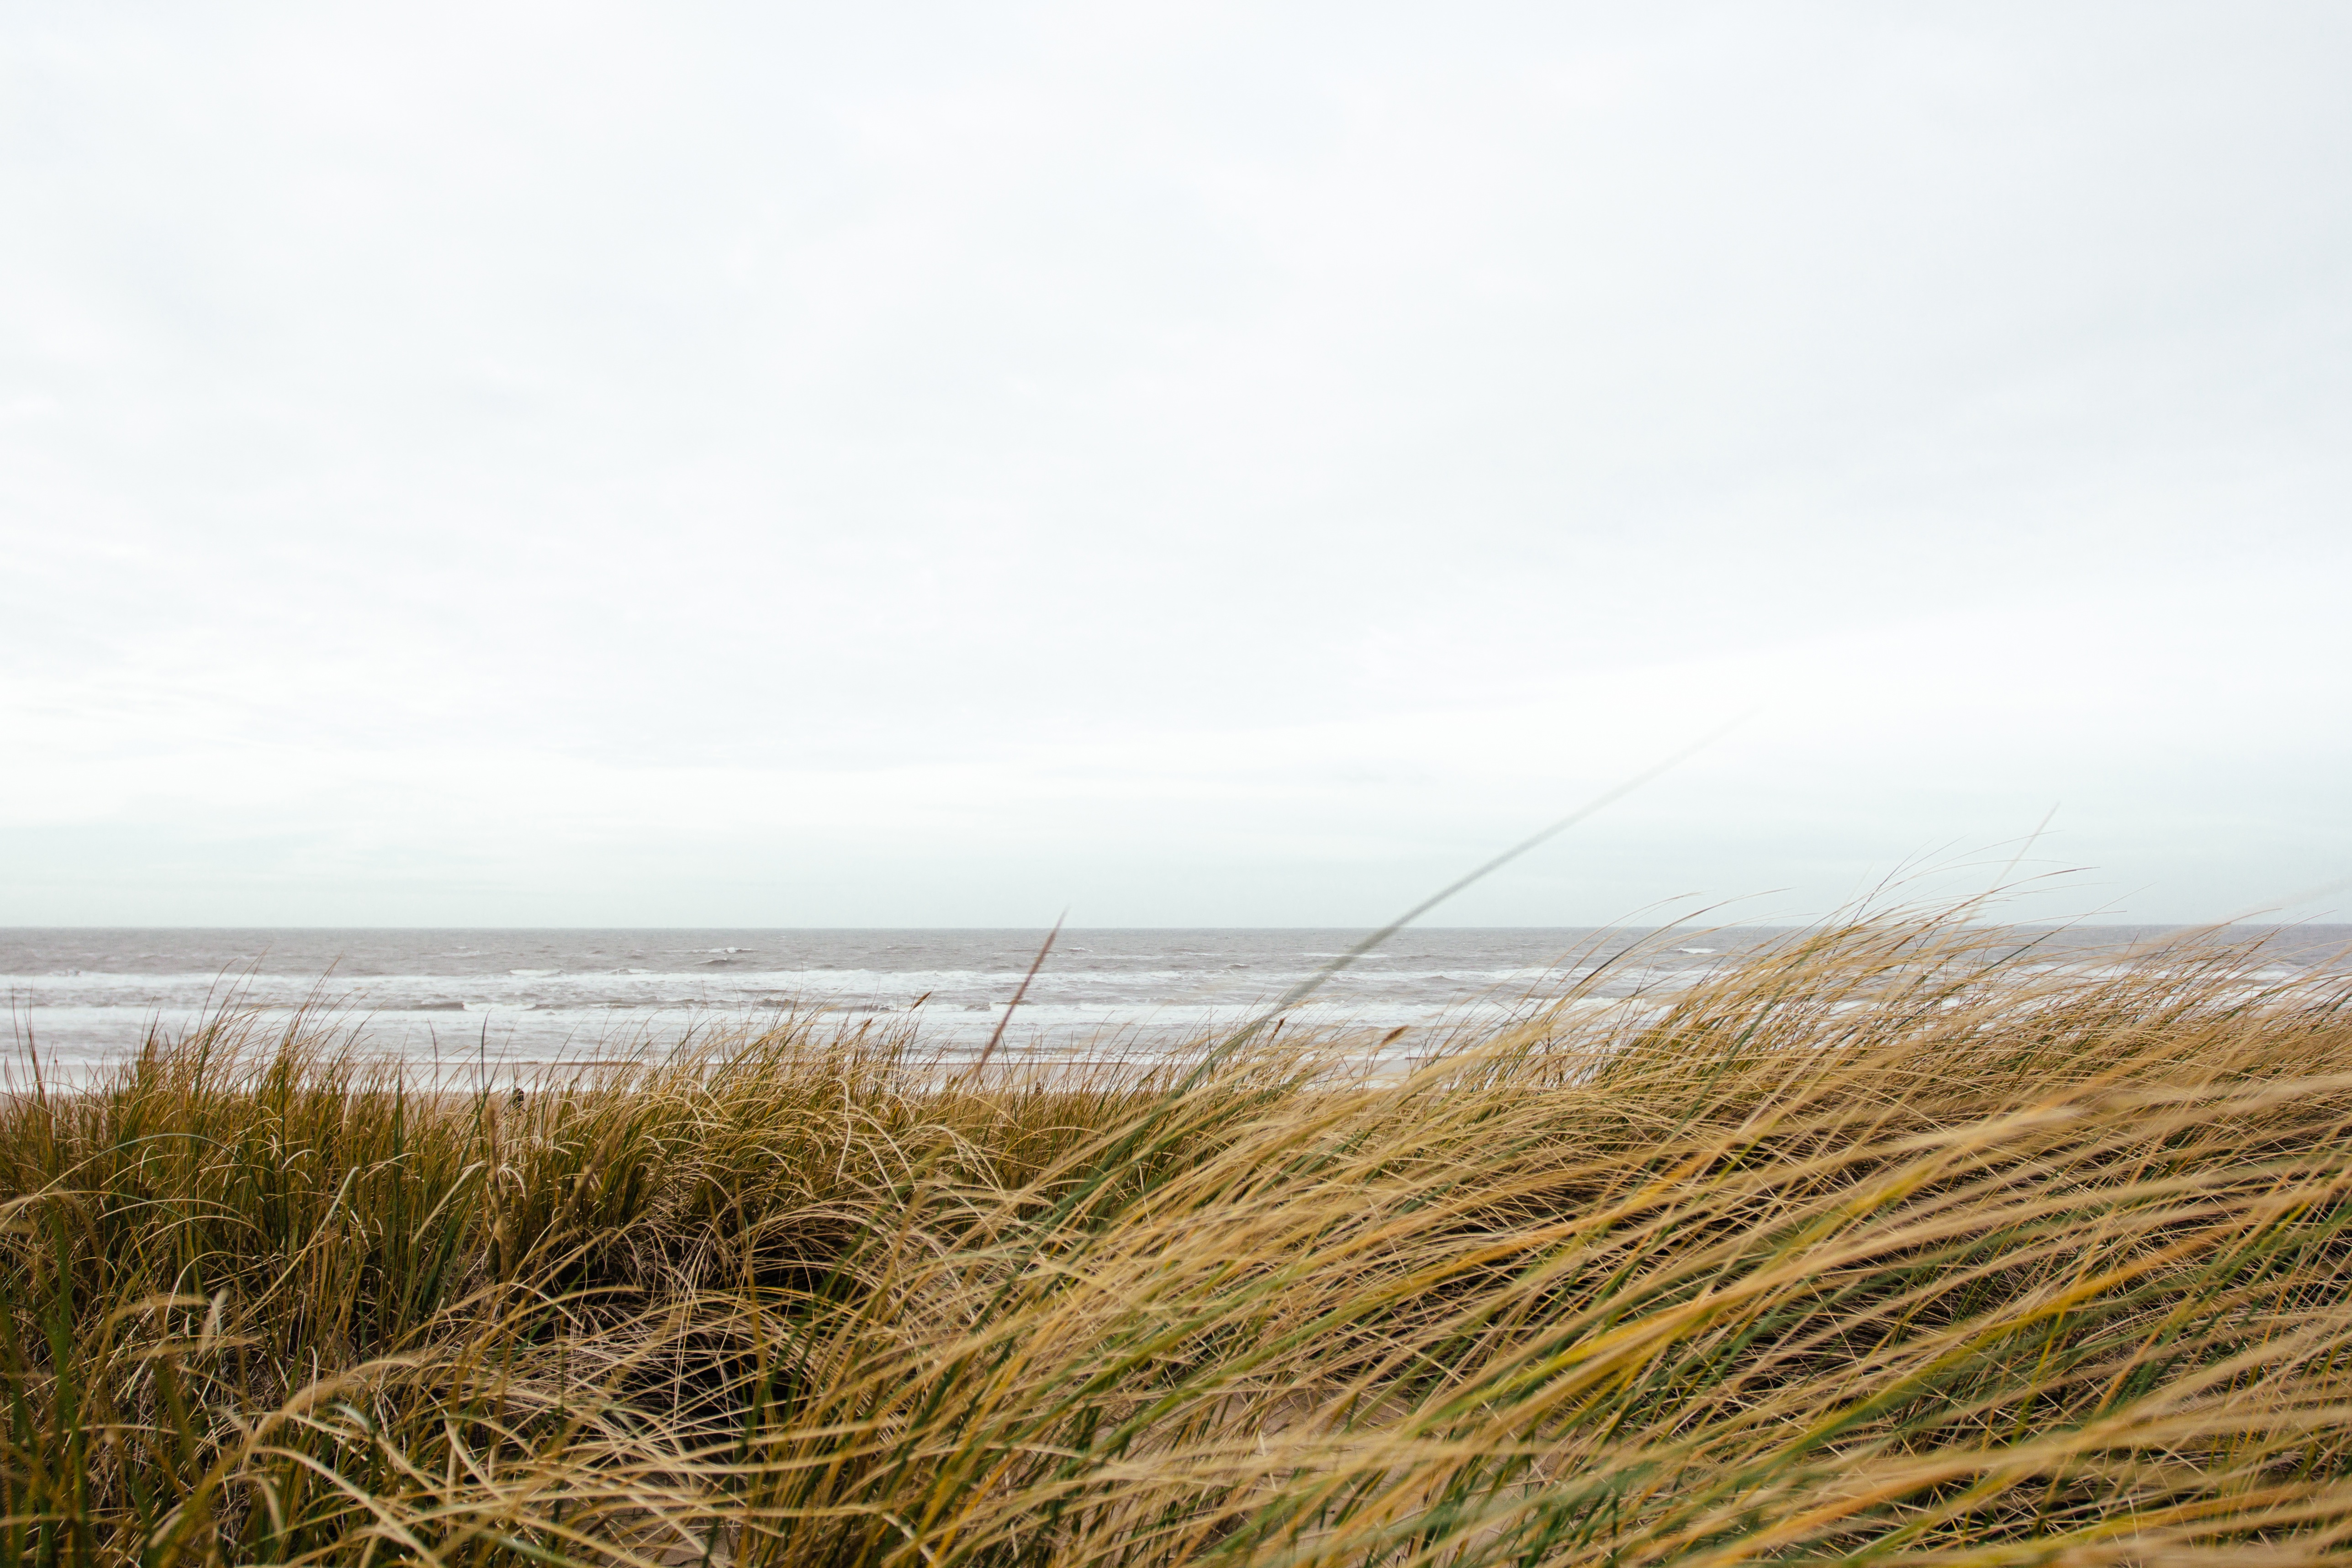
515 1000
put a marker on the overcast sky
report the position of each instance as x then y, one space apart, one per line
1194 463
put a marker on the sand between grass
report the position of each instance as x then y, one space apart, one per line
1890 1245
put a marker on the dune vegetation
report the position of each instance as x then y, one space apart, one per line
1892 1244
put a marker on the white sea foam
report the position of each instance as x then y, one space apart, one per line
535 994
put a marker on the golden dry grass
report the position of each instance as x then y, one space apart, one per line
1887 1246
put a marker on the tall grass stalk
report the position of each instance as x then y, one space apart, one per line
1892 1244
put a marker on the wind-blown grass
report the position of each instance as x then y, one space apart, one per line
1888 1245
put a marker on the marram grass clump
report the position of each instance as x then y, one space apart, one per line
1891 1245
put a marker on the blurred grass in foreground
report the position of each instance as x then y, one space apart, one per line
1887 1245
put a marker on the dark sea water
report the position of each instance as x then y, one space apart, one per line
522 998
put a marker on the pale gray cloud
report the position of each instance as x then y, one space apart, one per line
1219 465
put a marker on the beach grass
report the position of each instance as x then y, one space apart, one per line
1895 1243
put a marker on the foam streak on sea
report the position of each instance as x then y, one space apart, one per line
514 1001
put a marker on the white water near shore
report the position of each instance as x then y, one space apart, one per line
514 1001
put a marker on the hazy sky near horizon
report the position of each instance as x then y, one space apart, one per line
1194 464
